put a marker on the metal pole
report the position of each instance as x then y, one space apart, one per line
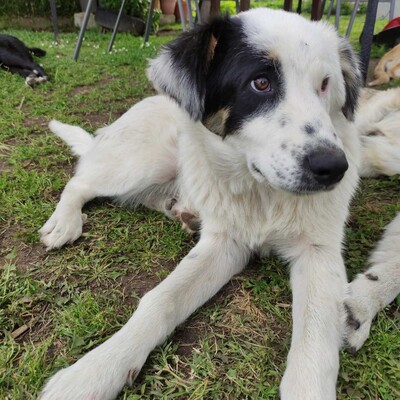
391 11
352 18
148 22
337 16
182 14
366 39
316 10
83 29
114 33
190 16
328 14
54 18
198 13
287 5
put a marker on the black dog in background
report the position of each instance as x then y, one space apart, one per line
15 57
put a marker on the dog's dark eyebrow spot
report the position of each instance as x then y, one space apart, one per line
309 129
372 277
283 146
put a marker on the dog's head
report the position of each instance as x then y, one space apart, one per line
269 83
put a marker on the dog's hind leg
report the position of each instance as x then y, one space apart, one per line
126 164
374 289
65 224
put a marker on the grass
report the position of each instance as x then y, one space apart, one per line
56 306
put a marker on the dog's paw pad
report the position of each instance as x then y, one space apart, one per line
190 222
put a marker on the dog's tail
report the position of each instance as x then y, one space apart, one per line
37 52
78 139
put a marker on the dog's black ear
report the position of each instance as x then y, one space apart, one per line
352 77
180 69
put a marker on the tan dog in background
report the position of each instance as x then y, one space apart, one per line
388 67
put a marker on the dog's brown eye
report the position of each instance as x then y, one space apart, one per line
324 85
261 85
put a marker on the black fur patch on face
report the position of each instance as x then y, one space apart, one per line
229 80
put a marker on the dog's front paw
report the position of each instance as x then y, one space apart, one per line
33 79
61 229
358 324
360 308
90 378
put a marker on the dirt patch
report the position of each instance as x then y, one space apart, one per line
3 160
85 89
65 24
22 255
96 120
188 336
4 167
168 32
80 90
136 284
32 122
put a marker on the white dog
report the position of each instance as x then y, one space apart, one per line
262 148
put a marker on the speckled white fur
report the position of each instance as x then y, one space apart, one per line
241 213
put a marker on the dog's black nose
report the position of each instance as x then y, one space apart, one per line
327 166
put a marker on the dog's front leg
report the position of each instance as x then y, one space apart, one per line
103 372
318 282
375 289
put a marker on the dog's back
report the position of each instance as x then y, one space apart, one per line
12 44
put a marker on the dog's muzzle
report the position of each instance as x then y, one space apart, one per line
327 166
